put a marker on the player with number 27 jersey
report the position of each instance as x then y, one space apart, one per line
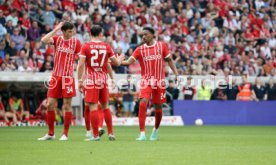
97 54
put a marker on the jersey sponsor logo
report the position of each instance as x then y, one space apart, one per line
65 50
152 57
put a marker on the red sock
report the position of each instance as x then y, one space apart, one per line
87 118
94 118
101 118
108 120
158 117
142 115
67 122
51 118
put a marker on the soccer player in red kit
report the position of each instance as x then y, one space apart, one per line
101 113
151 55
62 83
94 55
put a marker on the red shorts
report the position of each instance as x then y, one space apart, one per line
93 94
158 94
61 87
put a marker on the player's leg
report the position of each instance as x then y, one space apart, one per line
158 98
12 116
94 119
104 96
87 120
92 98
68 92
142 118
54 92
51 117
67 117
101 120
145 93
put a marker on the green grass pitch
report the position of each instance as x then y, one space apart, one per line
188 145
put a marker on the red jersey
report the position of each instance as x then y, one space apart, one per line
97 55
151 59
65 53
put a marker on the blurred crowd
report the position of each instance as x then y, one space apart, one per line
219 37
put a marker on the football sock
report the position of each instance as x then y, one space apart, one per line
158 117
108 120
51 117
87 118
67 122
101 117
142 115
94 118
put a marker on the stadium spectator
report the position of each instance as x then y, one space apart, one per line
33 32
13 18
189 90
48 16
18 39
128 91
7 115
16 106
115 100
3 32
260 90
232 90
172 90
246 92
11 48
185 26
220 93
271 90
2 18
204 92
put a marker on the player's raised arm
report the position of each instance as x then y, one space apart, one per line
129 61
48 37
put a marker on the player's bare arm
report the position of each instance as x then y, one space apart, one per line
117 61
80 72
48 37
110 72
172 66
129 61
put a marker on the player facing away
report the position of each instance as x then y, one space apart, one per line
151 55
95 55
101 113
62 83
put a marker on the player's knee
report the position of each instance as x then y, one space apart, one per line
104 106
50 106
158 106
67 107
144 100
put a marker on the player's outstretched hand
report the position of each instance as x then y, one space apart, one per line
121 58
